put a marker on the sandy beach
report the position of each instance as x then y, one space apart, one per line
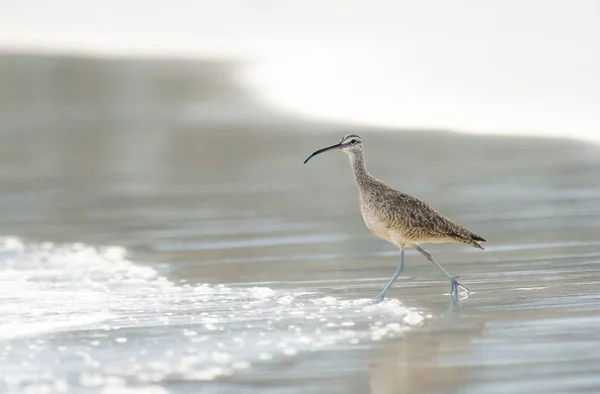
164 235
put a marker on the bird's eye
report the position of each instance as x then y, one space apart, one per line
353 141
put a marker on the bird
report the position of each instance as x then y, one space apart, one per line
400 218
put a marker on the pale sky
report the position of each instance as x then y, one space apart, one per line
512 66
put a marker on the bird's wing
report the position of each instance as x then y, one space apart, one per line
422 218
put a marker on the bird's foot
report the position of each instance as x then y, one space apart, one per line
378 300
456 285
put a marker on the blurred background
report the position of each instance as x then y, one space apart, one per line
160 234
495 66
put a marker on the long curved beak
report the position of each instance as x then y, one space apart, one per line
336 146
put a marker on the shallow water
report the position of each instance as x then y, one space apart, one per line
205 257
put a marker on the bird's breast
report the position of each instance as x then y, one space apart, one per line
377 224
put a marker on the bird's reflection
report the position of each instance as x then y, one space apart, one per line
426 360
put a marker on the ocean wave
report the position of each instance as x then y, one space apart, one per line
168 331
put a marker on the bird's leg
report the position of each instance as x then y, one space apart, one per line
453 279
399 269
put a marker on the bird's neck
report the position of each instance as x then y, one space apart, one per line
359 169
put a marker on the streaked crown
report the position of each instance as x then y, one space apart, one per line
351 140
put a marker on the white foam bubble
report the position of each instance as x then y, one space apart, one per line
414 319
261 292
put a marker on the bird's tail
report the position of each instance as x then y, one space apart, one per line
475 243
471 239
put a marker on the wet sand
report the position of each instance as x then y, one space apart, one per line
225 211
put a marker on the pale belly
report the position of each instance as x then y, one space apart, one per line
381 228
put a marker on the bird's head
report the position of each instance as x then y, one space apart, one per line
351 144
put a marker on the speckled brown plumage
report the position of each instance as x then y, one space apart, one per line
414 221
398 217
